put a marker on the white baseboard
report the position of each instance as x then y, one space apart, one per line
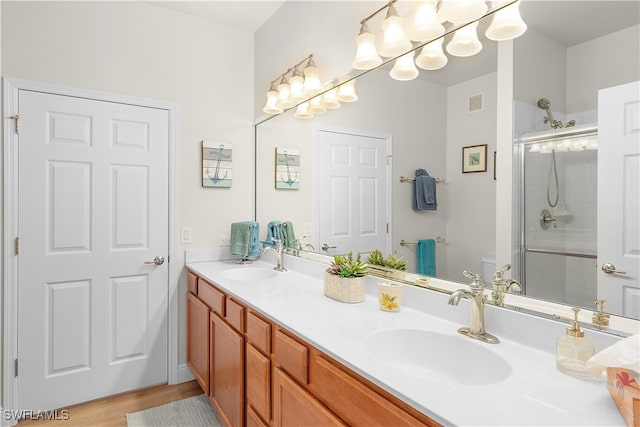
184 374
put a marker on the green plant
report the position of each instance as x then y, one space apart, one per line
348 266
394 260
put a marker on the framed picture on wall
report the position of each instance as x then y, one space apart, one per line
216 164
474 158
287 169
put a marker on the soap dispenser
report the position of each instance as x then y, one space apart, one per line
573 350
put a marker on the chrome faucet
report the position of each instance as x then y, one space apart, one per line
502 286
278 249
302 246
475 295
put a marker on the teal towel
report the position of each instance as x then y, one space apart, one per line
288 236
274 231
426 257
244 239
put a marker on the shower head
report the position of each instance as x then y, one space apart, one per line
544 103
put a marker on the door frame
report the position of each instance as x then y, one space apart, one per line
12 87
388 174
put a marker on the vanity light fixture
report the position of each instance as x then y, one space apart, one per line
428 26
330 99
302 112
316 107
294 90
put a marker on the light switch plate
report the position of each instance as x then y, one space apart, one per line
185 234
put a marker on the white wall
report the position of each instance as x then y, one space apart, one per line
471 207
138 49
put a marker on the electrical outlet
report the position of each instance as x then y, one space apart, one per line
225 240
185 234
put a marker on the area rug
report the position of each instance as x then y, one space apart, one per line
194 411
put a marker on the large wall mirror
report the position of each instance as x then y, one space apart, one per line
572 50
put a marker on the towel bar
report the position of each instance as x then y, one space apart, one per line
437 239
405 179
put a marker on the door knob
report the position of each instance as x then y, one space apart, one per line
326 247
609 268
159 260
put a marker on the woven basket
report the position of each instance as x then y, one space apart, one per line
344 289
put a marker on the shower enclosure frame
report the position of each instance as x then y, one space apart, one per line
520 146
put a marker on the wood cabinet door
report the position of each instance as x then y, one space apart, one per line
294 406
227 371
258 382
198 340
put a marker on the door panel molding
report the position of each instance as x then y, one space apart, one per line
12 88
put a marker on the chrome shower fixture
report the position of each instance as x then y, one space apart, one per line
545 104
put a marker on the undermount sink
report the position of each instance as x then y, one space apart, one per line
431 354
248 274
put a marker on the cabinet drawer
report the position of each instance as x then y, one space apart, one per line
235 315
211 296
258 378
259 333
352 400
193 283
292 357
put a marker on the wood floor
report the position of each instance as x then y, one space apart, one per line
111 411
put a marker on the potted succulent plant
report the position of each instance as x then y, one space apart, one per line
394 265
344 279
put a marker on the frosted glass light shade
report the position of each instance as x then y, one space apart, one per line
431 56
347 92
459 11
426 24
366 54
272 107
404 68
316 107
507 24
465 41
302 112
395 41
284 98
296 83
312 85
330 99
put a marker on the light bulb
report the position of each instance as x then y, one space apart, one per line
426 24
347 91
404 68
302 112
507 24
394 42
432 57
284 92
465 41
366 54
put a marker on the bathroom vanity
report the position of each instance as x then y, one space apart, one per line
270 350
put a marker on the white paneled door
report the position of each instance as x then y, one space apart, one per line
619 199
353 188
93 215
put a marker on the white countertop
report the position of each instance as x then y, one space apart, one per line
535 393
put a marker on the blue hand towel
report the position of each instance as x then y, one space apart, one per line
244 239
426 252
288 236
274 231
424 194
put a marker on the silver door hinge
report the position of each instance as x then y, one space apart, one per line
387 228
16 367
17 246
17 119
387 158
